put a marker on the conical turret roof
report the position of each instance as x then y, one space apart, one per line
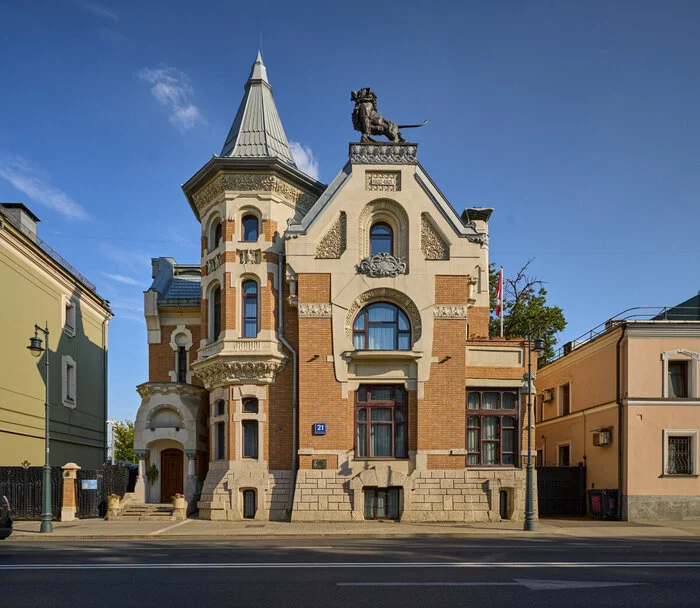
257 130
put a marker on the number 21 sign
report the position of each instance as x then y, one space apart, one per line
319 428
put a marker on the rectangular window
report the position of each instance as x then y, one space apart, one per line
382 503
249 506
564 400
564 455
678 379
69 382
381 421
69 313
220 440
181 364
680 452
250 439
491 427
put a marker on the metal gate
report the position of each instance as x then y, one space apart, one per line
94 485
561 491
23 488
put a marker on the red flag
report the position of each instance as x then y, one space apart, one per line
499 295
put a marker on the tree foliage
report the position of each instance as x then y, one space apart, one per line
124 442
524 308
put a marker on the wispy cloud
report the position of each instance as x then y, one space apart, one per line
99 10
172 88
35 183
120 278
304 158
128 260
128 309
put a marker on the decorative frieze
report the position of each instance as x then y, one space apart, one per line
213 264
318 311
334 242
443 311
147 389
223 372
383 154
249 256
393 295
242 182
383 181
381 265
432 243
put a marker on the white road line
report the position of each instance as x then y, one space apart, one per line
533 585
177 525
343 565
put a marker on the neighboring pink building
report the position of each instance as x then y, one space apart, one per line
624 402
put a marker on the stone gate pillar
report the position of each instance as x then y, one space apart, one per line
140 487
69 504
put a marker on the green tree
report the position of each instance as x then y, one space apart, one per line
524 307
124 441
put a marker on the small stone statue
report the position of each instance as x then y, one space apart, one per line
368 121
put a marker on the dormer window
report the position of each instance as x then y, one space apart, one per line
250 228
382 326
381 239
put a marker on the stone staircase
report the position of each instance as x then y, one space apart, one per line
147 512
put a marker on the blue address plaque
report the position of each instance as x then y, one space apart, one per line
319 428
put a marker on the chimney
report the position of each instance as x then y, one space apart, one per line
21 218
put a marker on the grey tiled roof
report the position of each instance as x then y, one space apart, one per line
182 288
257 130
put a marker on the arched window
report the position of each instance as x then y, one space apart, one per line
250 228
381 239
250 405
382 326
217 234
250 309
216 314
214 233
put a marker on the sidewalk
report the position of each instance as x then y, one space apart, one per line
196 529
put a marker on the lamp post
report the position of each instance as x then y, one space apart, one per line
36 349
111 426
538 347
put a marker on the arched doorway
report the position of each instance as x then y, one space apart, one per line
171 474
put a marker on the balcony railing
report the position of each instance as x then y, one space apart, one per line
638 313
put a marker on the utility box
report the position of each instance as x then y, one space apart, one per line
603 503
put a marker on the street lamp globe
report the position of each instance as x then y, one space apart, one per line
35 346
538 346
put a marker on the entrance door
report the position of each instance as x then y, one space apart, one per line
170 474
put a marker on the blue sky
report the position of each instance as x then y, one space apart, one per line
577 121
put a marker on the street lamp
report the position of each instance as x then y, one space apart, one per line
36 349
111 427
538 347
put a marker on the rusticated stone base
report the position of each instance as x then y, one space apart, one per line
434 495
636 508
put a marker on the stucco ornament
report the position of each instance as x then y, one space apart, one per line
432 244
390 295
441 311
383 181
238 371
383 154
245 182
334 242
147 389
382 265
315 310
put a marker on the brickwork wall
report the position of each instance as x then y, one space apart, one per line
441 413
269 227
161 356
228 231
228 304
478 322
314 288
268 304
451 289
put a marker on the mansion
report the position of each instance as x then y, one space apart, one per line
328 357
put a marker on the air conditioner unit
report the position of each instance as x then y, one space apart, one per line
601 438
548 395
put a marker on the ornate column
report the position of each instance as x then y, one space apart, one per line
140 487
191 481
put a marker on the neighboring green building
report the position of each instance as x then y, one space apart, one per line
39 286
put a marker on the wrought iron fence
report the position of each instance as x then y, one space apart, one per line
94 485
23 487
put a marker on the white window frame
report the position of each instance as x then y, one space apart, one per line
559 444
70 307
681 355
693 434
66 390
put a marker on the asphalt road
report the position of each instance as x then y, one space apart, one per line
356 572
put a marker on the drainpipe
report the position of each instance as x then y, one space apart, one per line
620 423
104 381
280 296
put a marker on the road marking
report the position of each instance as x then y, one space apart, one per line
347 565
533 585
177 525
